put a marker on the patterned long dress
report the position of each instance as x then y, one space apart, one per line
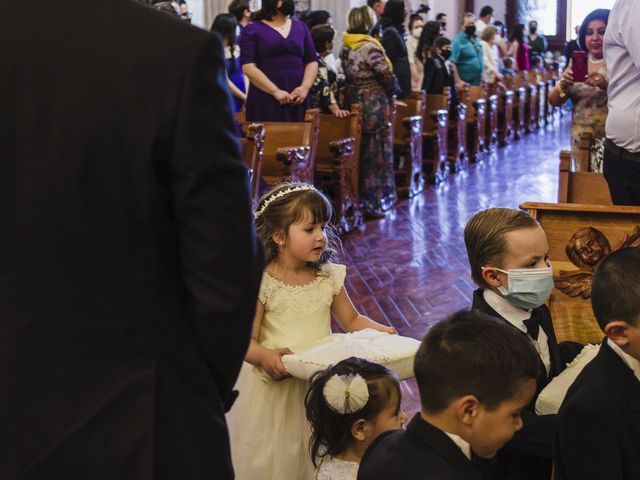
371 83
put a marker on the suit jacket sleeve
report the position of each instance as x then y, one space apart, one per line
586 447
221 262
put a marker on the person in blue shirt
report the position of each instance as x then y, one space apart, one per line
466 54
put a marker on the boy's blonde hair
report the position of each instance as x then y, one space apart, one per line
360 20
485 235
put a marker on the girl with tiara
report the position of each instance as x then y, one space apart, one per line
301 288
349 405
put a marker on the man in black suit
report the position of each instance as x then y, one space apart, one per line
128 263
475 375
598 434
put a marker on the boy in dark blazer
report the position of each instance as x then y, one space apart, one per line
509 259
475 376
598 434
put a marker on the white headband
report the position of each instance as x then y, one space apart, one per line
297 188
346 393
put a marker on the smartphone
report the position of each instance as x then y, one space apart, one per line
579 66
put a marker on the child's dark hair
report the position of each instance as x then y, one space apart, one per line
471 353
331 431
283 211
225 25
321 35
615 290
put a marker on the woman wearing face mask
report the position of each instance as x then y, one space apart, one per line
589 98
430 32
415 31
280 60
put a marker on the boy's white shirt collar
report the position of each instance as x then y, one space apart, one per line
516 317
631 362
501 305
461 444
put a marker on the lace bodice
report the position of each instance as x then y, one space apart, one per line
336 469
294 315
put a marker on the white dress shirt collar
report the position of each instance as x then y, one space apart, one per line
631 362
514 315
460 443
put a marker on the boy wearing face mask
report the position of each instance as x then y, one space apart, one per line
509 260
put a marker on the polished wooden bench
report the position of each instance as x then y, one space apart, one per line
337 166
252 151
493 112
531 102
289 150
516 84
407 144
435 134
579 236
474 99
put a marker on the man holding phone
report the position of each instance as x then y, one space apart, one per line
622 147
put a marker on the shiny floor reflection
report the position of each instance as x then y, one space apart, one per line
410 269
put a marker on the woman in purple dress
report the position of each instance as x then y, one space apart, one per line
280 60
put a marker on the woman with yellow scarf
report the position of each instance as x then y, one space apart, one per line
371 83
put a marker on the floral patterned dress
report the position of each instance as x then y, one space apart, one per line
324 92
589 115
371 83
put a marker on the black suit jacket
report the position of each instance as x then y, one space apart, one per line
396 50
598 434
419 452
128 263
528 454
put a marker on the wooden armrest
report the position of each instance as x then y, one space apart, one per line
291 155
344 146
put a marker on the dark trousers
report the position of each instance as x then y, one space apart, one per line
622 172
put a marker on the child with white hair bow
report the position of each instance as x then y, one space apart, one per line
348 406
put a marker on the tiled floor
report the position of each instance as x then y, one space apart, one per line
410 269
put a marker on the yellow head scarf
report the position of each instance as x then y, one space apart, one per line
356 40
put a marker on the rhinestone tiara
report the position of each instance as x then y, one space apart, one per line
297 188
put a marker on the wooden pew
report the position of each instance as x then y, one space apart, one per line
505 116
531 101
579 236
493 112
580 185
474 98
289 151
252 151
407 145
337 166
457 151
515 84
435 133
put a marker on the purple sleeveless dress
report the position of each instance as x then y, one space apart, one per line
282 60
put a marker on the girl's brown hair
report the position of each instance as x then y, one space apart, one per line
291 208
485 234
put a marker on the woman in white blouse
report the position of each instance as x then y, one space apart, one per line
491 61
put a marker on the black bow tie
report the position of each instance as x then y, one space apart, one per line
533 325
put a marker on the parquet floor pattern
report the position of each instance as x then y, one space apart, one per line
410 269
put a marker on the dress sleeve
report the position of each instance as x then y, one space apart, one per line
381 70
266 289
248 46
309 54
338 273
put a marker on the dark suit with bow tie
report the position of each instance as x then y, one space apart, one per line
528 455
598 433
421 452
129 268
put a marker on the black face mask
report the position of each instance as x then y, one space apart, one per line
446 54
287 8
444 25
470 30
533 30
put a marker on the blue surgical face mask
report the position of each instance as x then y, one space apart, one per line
528 287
